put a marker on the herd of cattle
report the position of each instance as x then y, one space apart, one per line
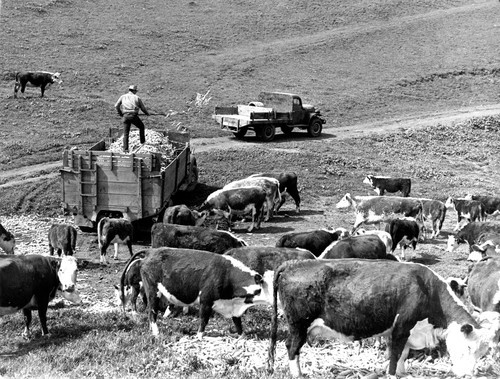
342 283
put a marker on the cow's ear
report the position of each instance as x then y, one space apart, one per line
55 263
467 329
258 279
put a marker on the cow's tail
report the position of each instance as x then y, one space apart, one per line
137 256
100 225
274 320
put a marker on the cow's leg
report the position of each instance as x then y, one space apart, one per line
23 86
116 251
296 339
42 89
42 315
396 347
104 247
153 302
238 325
283 194
270 207
27 323
205 313
51 249
254 216
59 252
400 367
129 245
16 88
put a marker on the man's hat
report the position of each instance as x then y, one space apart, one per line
132 88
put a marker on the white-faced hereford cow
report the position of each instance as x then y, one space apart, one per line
131 283
7 240
186 277
382 184
404 232
31 281
316 241
435 212
377 209
62 237
116 231
288 185
471 210
355 299
269 185
36 79
491 204
365 246
486 245
238 201
182 215
194 237
470 234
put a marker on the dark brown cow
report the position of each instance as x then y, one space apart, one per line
491 204
471 210
288 184
116 231
36 79
7 240
315 241
366 246
62 237
182 215
382 184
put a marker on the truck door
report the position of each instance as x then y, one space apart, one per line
297 111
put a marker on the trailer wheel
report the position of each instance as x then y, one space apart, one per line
315 127
287 129
241 133
267 132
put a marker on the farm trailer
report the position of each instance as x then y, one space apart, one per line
274 109
97 183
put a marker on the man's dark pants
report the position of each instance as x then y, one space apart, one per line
132 119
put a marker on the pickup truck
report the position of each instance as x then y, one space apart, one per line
100 183
272 110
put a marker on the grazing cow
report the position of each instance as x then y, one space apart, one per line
382 234
315 241
366 246
36 79
381 184
404 232
62 237
269 185
182 215
491 204
483 283
353 299
114 230
471 210
470 233
486 245
131 284
376 209
288 184
435 212
31 281
7 240
238 200
186 277
194 237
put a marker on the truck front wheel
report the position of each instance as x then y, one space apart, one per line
267 132
314 129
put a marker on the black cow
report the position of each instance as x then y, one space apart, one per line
238 200
114 230
36 79
194 237
316 241
62 237
355 299
182 215
470 233
7 240
131 284
491 204
31 281
382 184
185 277
471 210
288 184
404 232
367 246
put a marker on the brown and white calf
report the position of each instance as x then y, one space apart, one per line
182 215
7 240
470 234
382 184
40 79
114 231
435 212
377 209
470 210
62 238
315 241
242 200
491 204
330 299
288 185
269 185
404 232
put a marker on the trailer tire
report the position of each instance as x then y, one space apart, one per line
241 133
267 132
287 129
315 127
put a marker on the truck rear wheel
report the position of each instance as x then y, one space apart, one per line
241 133
314 129
287 129
267 132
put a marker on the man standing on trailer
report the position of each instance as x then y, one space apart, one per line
128 107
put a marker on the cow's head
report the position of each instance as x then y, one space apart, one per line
452 244
56 78
368 180
7 242
199 217
345 202
484 250
67 279
450 202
